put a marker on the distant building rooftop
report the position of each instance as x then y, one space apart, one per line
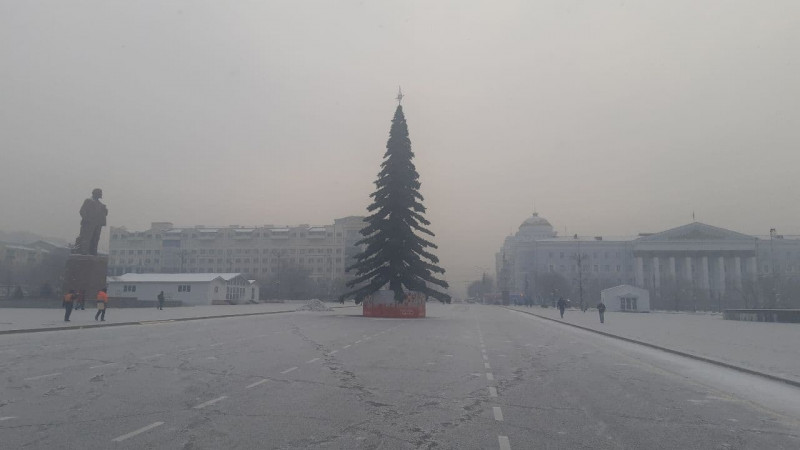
173 277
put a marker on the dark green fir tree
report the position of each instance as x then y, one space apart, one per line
394 254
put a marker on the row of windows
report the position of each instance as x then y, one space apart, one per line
135 252
129 288
267 260
266 270
789 268
234 293
594 255
113 261
586 268
216 235
184 288
274 262
238 251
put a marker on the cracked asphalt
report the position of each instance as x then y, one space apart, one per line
466 377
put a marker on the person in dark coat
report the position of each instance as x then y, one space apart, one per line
562 305
161 300
601 308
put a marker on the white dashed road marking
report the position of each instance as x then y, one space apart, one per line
358 341
152 356
485 358
102 365
43 376
7 418
489 376
256 384
492 391
498 413
334 352
504 444
139 431
312 360
486 365
210 402
346 346
289 370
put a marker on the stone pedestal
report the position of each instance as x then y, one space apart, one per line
382 304
85 273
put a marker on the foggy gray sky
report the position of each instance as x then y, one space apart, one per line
616 117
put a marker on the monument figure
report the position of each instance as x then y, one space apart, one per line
93 219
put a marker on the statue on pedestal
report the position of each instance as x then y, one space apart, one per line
93 219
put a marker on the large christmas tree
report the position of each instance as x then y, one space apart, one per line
394 254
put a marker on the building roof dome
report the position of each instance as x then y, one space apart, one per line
535 227
534 221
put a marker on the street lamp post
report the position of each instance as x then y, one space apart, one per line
775 294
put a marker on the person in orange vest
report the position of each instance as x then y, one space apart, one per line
67 303
102 303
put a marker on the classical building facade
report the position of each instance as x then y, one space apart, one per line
694 264
324 251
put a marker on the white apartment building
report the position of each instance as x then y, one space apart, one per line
324 251
696 264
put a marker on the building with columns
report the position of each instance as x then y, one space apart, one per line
691 266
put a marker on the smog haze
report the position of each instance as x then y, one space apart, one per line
610 117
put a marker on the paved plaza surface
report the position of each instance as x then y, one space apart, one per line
772 348
39 318
466 377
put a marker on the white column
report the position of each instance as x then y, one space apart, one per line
656 272
721 274
688 270
639 272
752 268
704 281
737 272
672 269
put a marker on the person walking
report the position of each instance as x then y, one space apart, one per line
102 304
69 298
80 302
562 305
601 308
161 300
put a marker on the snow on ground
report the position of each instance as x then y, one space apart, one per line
766 347
315 305
30 318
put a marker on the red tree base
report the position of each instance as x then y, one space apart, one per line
382 304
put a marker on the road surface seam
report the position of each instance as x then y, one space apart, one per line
42 376
103 365
669 350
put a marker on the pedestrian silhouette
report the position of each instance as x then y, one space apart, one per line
562 305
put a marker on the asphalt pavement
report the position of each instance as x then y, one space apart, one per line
466 377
